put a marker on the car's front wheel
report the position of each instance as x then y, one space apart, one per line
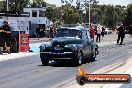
93 56
44 61
81 80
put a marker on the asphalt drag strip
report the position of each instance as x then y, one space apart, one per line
28 72
111 56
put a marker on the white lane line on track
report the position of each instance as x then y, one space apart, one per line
62 84
129 71
15 56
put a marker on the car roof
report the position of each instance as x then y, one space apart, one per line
76 28
72 25
75 25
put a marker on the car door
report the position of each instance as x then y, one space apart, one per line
85 43
89 43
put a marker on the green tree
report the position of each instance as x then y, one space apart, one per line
17 5
2 5
40 3
51 13
111 17
95 13
14 5
120 11
71 15
128 18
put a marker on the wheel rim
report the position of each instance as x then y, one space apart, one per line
80 60
96 52
94 55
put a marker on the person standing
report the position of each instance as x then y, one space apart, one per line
6 37
121 34
98 34
103 32
38 32
51 32
130 30
54 31
41 32
91 32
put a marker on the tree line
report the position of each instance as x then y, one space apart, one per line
108 15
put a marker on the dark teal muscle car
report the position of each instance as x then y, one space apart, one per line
69 44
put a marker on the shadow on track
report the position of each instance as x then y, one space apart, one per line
65 63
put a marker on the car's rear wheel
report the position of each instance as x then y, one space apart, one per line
96 50
93 56
79 59
44 61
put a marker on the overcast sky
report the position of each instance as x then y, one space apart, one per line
112 2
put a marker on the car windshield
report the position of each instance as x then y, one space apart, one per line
68 33
76 25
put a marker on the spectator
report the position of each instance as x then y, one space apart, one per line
91 32
121 34
103 32
37 32
130 30
47 32
6 36
41 32
98 34
7 30
54 31
51 32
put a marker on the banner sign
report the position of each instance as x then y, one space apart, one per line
14 14
82 77
24 42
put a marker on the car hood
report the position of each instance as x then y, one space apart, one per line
65 41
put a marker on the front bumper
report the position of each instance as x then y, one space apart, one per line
58 55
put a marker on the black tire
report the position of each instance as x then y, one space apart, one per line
93 56
81 80
79 59
44 62
96 52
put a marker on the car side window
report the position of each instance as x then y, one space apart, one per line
84 35
88 35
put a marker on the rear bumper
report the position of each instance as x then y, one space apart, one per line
58 55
